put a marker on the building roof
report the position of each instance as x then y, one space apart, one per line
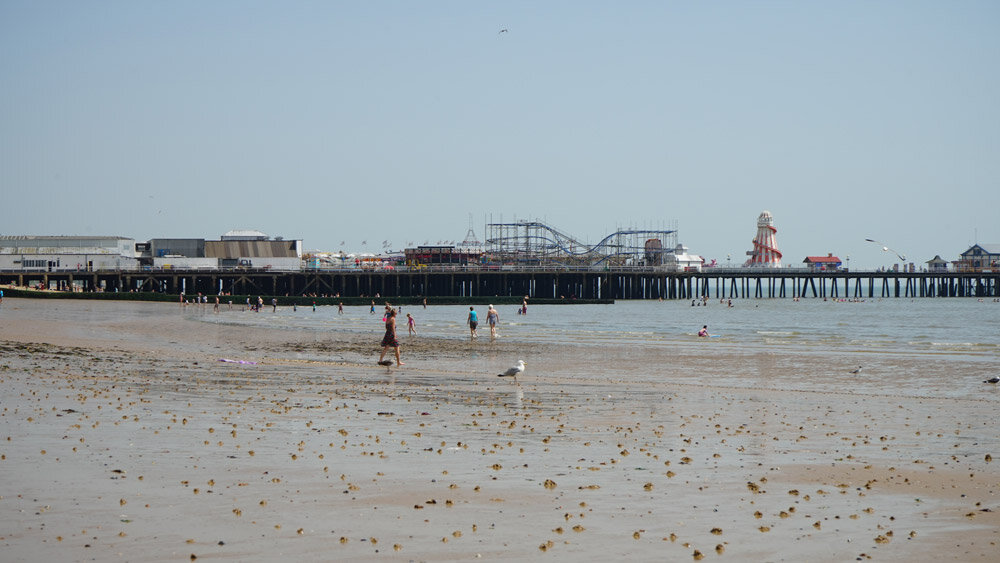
987 248
59 237
822 260
244 234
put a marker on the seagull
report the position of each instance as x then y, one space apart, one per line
513 371
386 363
887 249
993 380
856 371
504 30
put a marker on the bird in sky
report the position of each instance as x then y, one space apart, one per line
887 249
513 371
503 30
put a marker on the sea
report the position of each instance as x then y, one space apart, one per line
934 347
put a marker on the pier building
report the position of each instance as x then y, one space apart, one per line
822 263
978 258
67 253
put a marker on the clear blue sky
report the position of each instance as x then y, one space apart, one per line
373 121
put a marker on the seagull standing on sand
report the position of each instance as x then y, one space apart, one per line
856 371
513 371
994 380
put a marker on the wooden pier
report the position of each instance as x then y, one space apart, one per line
546 284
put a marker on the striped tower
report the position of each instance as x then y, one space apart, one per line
765 252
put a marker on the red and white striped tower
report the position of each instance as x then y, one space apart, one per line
765 252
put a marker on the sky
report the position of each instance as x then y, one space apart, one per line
360 126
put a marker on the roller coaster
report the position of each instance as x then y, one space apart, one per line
533 243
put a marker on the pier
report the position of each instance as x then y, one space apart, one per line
467 282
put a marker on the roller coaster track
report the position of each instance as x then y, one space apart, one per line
541 241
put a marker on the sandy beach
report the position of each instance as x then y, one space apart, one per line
124 437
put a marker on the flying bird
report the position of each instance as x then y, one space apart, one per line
513 371
993 380
504 30
887 249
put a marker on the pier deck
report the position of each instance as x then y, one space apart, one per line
542 283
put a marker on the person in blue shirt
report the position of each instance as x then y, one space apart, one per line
473 321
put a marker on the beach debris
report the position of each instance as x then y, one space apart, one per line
241 362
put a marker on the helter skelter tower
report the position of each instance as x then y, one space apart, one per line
765 252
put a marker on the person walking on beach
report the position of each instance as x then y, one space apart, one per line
274 304
411 324
389 340
340 308
373 308
473 322
216 308
492 318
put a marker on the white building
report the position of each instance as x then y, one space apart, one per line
66 253
680 260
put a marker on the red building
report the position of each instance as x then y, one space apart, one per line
826 263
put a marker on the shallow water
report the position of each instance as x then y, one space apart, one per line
928 347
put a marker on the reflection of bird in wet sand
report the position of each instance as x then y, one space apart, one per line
993 380
514 371
856 371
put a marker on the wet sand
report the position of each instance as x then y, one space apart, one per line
123 437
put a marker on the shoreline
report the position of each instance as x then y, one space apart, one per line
125 437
